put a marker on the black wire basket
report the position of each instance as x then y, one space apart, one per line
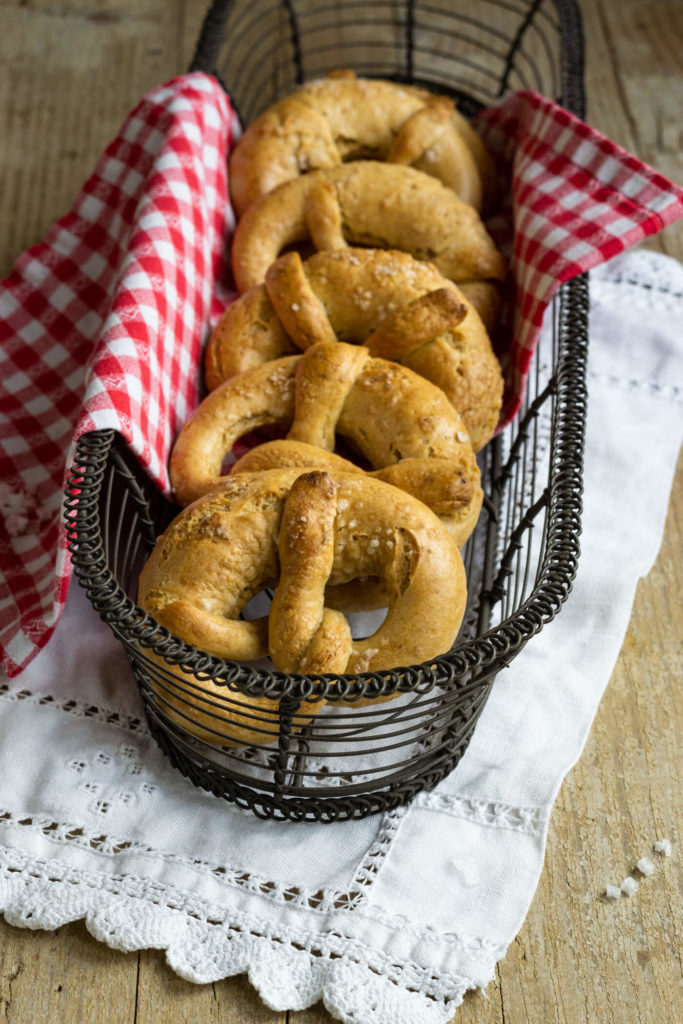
260 743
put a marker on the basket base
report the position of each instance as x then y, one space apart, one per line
289 801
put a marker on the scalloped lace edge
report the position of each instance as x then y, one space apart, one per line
290 968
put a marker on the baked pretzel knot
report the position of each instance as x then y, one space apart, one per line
398 307
372 204
341 118
399 422
299 532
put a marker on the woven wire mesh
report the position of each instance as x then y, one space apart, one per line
478 51
334 747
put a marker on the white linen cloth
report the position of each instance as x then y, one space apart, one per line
416 905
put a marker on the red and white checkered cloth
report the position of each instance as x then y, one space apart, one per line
102 325
577 199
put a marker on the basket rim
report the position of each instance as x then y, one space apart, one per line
572 56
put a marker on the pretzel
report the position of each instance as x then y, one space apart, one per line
402 424
380 299
299 531
366 203
340 118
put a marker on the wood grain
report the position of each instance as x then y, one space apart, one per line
69 72
634 84
64 976
163 996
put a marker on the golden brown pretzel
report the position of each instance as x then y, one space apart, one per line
372 204
380 298
340 118
442 484
299 531
402 424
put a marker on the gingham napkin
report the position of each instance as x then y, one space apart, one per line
102 324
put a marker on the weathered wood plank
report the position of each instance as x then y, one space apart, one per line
64 977
68 76
162 996
634 81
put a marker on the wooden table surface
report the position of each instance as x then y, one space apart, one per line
69 72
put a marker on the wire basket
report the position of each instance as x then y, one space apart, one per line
259 742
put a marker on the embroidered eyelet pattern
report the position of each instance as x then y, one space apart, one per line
105 795
494 814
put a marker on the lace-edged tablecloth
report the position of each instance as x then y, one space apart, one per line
393 918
